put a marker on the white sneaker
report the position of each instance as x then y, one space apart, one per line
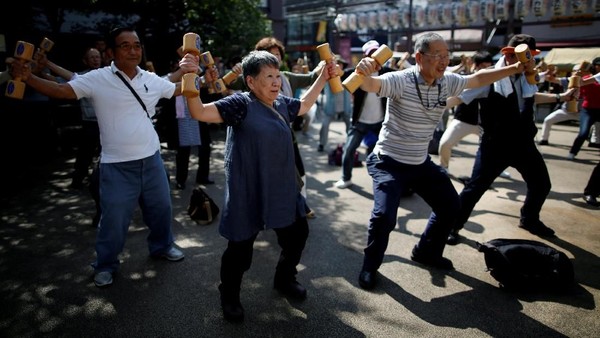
505 174
341 184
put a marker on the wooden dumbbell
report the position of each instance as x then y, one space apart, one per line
230 77
15 87
574 82
381 55
190 83
524 55
217 86
335 83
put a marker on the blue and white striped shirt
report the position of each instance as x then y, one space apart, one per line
409 120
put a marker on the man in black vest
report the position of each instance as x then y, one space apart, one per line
507 120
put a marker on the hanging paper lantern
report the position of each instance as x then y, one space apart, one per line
341 22
372 21
578 6
501 9
352 24
383 19
394 18
406 17
446 14
474 12
419 15
431 12
459 12
559 7
522 8
540 7
487 10
363 21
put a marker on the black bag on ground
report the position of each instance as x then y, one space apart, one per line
335 157
202 209
522 264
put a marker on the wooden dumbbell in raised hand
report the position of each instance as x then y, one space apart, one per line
335 83
15 87
381 55
524 56
216 86
574 82
190 82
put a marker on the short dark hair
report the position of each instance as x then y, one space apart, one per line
111 38
254 62
481 57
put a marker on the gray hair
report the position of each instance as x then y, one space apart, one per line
423 42
254 62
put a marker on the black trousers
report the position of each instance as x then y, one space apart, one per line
237 258
593 185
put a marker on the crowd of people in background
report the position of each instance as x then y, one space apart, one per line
400 104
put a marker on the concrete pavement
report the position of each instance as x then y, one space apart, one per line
47 244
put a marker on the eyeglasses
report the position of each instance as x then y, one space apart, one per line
127 46
438 57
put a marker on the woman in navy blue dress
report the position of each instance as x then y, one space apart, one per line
262 187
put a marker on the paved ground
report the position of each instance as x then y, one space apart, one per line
46 245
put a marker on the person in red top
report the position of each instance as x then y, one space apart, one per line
590 107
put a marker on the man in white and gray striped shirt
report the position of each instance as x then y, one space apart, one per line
400 161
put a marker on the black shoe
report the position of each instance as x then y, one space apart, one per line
591 200
291 289
464 179
537 228
76 184
233 311
453 238
593 145
438 262
367 280
96 220
205 181
320 148
543 142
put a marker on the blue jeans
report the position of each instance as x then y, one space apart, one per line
355 136
587 118
390 180
324 132
122 186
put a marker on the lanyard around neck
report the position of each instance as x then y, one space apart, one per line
439 89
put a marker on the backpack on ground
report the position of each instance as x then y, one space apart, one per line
522 264
335 157
202 209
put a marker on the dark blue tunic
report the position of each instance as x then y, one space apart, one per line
261 191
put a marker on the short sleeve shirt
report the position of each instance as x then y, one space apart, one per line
260 172
410 118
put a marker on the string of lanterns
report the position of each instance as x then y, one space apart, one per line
457 13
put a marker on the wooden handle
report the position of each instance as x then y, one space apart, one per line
335 83
381 55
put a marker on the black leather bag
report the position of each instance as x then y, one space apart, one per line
521 264
202 209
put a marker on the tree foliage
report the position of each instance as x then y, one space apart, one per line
228 28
